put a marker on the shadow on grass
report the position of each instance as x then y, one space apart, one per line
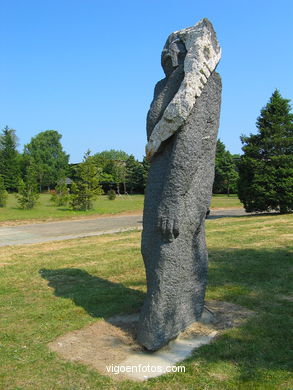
257 353
99 297
259 350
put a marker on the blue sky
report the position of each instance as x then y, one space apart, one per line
87 68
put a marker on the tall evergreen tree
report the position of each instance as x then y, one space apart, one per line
87 187
266 167
49 157
9 159
226 174
3 193
28 189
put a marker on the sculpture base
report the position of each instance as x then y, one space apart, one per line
110 346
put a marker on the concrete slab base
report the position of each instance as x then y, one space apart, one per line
110 347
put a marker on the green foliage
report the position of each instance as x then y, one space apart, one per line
47 153
266 168
3 193
113 167
146 166
226 174
118 168
61 195
135 175
111 194
28 190
9 159
86 188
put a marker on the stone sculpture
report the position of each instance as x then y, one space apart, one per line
182 126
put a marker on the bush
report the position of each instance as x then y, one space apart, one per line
60 197
111 194
27 195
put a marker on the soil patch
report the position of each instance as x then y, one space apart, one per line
108 344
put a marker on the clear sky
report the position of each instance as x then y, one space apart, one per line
87 68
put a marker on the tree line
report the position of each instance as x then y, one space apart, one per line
44 166
262 176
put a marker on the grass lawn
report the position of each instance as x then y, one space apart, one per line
46 211
47 290
226 202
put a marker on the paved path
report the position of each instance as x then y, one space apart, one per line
63 230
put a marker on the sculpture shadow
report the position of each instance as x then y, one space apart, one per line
99 297
260 280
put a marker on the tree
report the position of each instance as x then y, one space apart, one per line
28 189
3 193
146 166
61 195
9 159
113 168
134 175
113 165
266 167
226 174
50 159
87 187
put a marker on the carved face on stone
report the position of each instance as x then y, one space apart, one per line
172 56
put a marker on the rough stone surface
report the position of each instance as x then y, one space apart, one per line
198 47
177 196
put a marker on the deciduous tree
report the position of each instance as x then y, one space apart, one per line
49 157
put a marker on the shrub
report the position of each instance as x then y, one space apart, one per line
60 197
111 194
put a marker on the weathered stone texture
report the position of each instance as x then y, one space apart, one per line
177 197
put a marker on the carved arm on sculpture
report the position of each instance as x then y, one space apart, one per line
189 180
203 55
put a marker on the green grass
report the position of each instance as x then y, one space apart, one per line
47 290
225 202
46 211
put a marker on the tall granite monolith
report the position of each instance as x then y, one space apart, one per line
182 126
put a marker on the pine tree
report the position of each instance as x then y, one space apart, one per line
28 189
87 187
3 193
9 159
266 168
226 174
